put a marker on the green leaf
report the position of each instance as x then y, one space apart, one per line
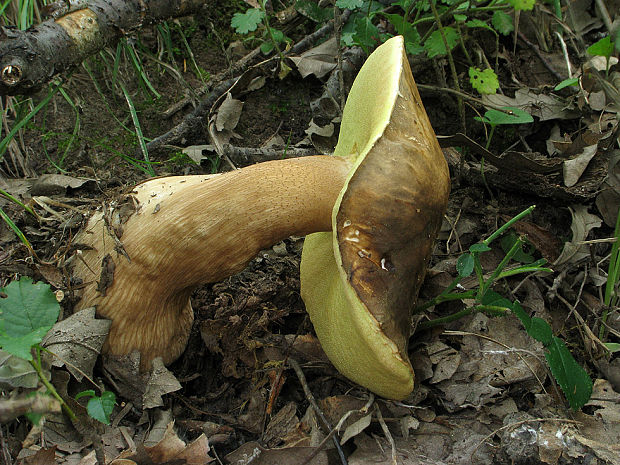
460 18
28 307
513 115
312 10
526 5
278 35
465 265
366 34
86 393
525 319
485 82
522 256
479 248
572 378
502 22
494 299
434 45
612 346
540 330
20 346
349 4
266 47
408 31
603 48
100 408
403 4
248 21
478 23
566 83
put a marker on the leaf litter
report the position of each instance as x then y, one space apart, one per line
483 393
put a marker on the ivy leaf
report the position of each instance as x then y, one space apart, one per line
602 48
434 45
525 5
246 22
485 82
100 408
349 4
502 22
572 378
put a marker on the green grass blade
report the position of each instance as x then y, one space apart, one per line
21 123
136 123
17 231
76 127
140 70
18 202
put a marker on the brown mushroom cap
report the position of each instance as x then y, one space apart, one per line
361 282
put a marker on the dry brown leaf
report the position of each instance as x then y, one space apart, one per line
78 340
319 60
161 382
582 223
574 168
253 453
170 449
228 114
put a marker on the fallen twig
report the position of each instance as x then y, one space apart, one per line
317 410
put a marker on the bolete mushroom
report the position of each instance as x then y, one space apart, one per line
383 194
360 282
184 231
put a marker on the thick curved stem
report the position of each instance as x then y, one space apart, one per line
190 230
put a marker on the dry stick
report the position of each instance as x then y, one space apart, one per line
194 120
515 350
462 95
191 122
317 410
337 31
40 403
538 53
604 14
455 76
336 428
387 433
579 318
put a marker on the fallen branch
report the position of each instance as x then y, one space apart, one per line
31 58
195 120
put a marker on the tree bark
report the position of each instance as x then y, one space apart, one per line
31 58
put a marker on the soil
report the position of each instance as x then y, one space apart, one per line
483 391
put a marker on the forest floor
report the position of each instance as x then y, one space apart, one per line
483 392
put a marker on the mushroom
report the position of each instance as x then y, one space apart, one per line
360 282
184 231
383 194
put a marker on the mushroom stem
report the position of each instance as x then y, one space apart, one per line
191 230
